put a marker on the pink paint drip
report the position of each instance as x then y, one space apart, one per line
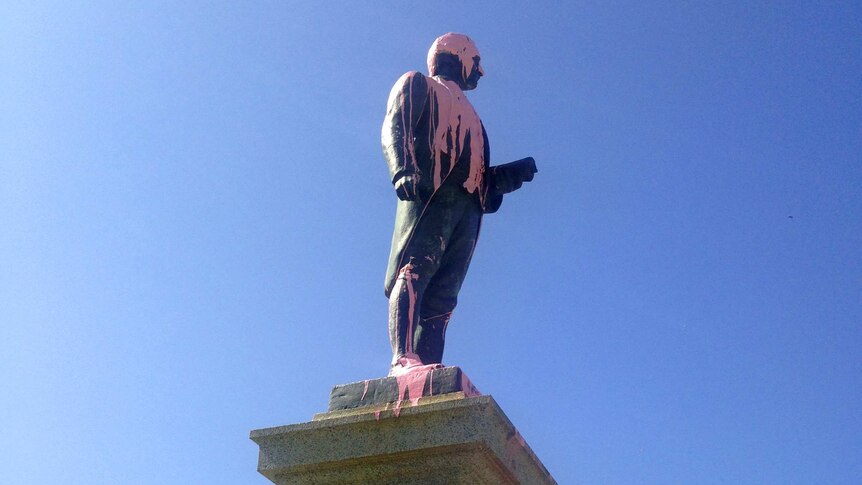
408 147
404 364
460 121
456 118
477 147
402 142
365 391
434 135
441 132
408 275
459 109
411 382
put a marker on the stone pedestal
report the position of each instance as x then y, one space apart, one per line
438 439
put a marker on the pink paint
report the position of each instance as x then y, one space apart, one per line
365 391
405 363
434 135
457 119
458 45
410 378
408 147
398 140
412 384
456 115
408 275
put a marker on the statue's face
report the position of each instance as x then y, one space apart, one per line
472 79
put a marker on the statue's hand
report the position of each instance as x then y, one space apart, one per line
405 187
508 182
510 176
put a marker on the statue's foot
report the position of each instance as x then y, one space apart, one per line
410 362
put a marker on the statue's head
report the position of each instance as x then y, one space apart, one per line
455 57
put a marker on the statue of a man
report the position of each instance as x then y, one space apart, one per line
438 157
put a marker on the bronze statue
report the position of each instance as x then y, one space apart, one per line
438 157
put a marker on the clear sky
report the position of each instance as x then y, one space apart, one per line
195 218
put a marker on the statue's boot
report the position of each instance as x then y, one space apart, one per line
403 318
430 338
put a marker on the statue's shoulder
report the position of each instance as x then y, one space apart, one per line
412 85
413 79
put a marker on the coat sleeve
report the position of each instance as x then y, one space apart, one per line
407 101
492 199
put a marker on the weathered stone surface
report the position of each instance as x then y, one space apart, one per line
445 439
392 389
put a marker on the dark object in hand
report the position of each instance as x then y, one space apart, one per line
510 176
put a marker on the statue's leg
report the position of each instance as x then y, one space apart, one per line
404 299
430 338
421 259
441 294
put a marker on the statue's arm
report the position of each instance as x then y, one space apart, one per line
406 104
493 198
505 178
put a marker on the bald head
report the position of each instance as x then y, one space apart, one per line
455 57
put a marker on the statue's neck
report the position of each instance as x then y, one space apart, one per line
450 83
447 76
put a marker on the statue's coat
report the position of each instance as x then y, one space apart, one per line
431 133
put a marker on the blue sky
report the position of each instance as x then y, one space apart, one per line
196 220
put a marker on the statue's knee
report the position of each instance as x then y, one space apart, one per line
436 303
437 322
